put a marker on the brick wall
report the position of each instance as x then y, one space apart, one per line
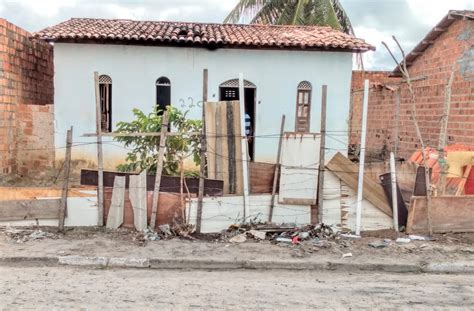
455 46
26 102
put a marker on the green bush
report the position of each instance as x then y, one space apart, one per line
144 150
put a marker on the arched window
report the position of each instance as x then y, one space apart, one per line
163 93
303 107
105 91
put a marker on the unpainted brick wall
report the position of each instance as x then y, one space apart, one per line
455 46
26 102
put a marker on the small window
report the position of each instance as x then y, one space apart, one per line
163 93
303 107
105 91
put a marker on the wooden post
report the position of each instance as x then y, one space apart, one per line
277 168
360 187
202 170
322 153
159 169
100 160
397 122
67 169
244 144
393 178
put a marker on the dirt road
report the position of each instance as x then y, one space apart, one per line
53 288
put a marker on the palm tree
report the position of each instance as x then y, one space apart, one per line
292 12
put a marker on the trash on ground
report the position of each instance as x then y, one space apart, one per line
350 236
419 238
259 235
346 255
403 240
379 244
239 238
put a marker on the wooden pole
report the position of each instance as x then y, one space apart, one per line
360 187
277 168
397 122
443 135
244 145
322 154
67 169
159 169
100 160
393 178
202 170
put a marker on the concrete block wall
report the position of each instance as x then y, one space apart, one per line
455 46
26 102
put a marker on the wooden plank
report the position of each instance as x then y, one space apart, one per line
159 168
137 134
100 160
261 177
29 209
348 172
202 167
212 187
239 179
231 148
244 144
211 140
137 195
115 217
276 171
67 169
449 214
220 160
322 154
224 146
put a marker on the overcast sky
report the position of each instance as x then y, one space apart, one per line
374 20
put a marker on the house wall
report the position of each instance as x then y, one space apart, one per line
455 46
134 70
26 102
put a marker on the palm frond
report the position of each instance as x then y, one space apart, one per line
245 8
342 17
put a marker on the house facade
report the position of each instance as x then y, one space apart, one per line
448 48
144 64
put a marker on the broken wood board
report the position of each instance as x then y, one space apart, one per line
138 200
348 172
224 159
29 209
168 183
169 208
115 216
220 212
339 207
299 168
448 214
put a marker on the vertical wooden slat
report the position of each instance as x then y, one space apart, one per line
115 216
211 140
67 169
277 168
138 198
202 170
224 143
239 181
322 154
159 169
100 160
231 148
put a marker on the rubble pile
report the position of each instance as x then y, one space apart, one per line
24 235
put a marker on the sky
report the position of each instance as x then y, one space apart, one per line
373 20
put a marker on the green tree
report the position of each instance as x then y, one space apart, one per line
143 149
292 12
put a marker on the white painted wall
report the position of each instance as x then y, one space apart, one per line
134 70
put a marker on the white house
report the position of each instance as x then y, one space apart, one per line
144 63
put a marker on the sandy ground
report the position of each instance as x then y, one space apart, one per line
126 243
65 288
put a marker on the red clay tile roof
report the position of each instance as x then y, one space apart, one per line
200 34
441 27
